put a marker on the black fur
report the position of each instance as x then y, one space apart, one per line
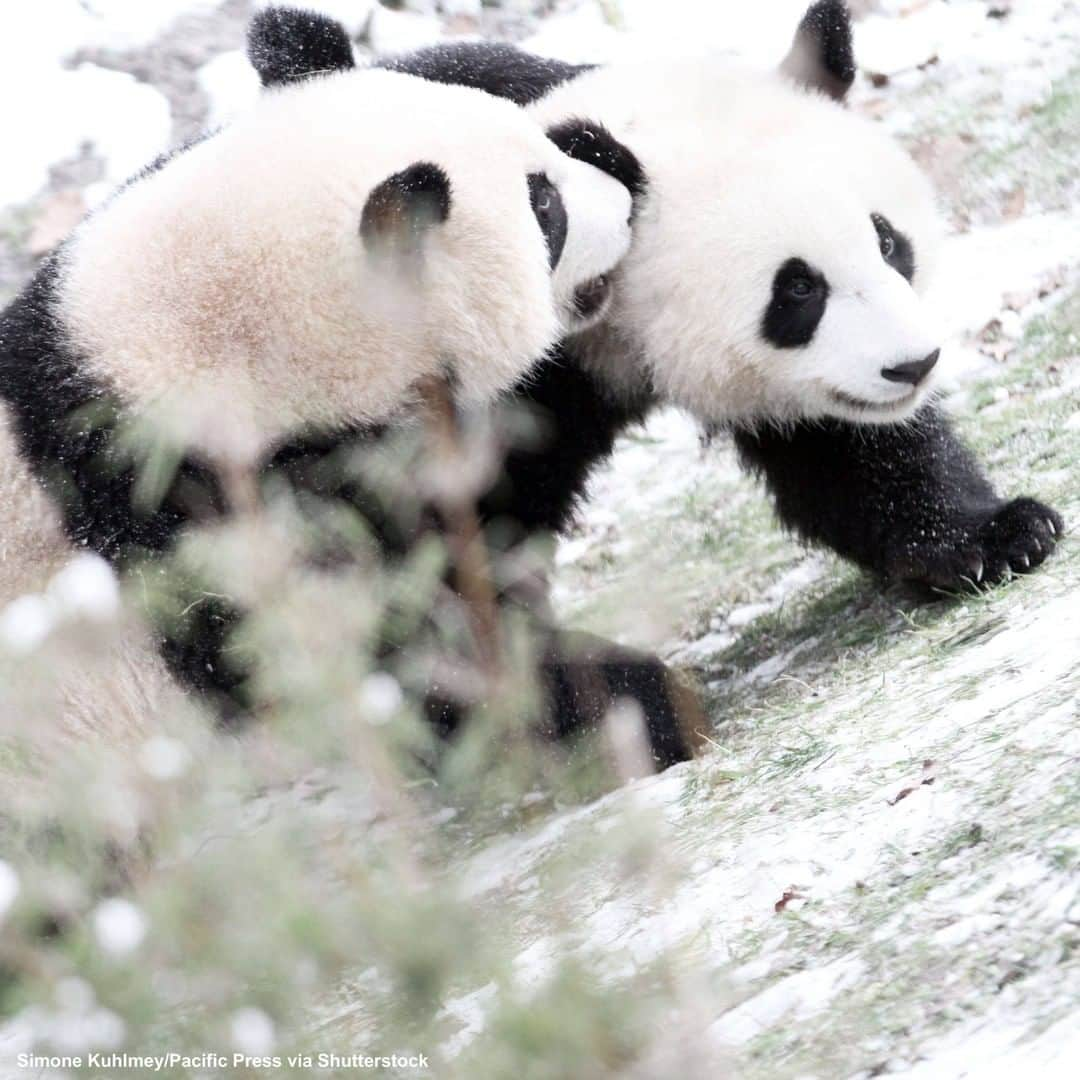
907 502
896 248
584 675
502 70
579 421
797 303
592 143
197 647
821 56
404 206
319 468
550 212
286 44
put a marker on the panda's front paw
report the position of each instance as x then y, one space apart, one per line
1013 539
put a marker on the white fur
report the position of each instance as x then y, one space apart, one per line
231 291
115 692
745 171
32 540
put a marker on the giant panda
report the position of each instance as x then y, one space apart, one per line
304 269
783 248
775 288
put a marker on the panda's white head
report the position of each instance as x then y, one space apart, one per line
349 236
783 250
795 291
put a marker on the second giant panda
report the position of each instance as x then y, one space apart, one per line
305 268
783 248
775 288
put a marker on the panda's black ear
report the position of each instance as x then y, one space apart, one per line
286 44
821 56
591 142
404 208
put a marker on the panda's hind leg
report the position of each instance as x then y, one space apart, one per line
586 677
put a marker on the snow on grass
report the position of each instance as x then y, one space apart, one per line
877 866
911 812
983 268
890 45
989 1052
128 122
799 996
596 31
125 24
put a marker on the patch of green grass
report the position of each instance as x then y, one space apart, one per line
1038 152
794 755
1055 334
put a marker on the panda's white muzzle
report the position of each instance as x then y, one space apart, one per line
876 349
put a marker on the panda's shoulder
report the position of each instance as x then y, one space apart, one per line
29 320
32 315
163 160
495 67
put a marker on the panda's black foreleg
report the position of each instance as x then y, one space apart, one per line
905 501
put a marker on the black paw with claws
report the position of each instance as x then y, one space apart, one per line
1012 539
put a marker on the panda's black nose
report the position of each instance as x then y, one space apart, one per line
914 371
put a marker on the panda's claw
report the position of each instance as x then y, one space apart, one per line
968 570
1021 534
1012 539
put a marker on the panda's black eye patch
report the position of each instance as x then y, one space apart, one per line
799 296
550 211
895 247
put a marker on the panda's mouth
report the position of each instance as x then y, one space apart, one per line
591 298
862 405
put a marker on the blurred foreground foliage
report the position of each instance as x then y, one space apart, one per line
302 886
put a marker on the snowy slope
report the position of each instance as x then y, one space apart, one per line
877 869
904 775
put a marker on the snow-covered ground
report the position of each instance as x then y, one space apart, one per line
878 867
903 775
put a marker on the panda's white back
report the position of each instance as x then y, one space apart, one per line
32 541
236 273
116 692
